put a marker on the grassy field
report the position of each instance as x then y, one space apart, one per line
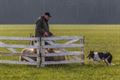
97 37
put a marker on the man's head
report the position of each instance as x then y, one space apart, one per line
47 15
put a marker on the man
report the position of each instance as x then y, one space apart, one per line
42 26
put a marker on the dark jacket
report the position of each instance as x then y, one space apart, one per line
41 27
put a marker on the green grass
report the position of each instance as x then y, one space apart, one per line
97 37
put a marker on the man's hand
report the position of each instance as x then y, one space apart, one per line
45 34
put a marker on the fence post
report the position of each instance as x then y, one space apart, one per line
82 50
39 53
42 52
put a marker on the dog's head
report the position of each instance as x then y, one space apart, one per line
90 55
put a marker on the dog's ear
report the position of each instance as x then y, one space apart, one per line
91 51
88 55
91 55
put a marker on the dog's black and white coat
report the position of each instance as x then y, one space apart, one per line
98 56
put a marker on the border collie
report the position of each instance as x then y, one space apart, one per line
98 56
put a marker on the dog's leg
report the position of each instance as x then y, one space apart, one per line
106 61
110 60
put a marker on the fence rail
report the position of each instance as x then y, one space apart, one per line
41 49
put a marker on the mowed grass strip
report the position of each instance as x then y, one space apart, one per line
97 37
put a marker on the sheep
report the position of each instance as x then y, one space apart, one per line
31 51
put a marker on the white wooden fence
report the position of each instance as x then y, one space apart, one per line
54 42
